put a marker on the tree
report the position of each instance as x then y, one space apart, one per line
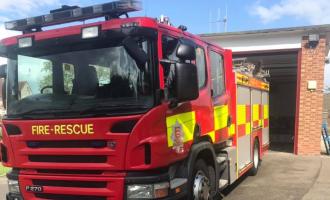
47 79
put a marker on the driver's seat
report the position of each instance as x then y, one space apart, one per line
85 82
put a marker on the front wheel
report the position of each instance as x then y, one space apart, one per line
256 158
203 181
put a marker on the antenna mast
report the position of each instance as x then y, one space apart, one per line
225 19
219 20
210 21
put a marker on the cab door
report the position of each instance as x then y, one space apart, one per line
219 96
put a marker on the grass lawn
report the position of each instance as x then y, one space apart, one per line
4 170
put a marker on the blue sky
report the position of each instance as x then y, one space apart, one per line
195 14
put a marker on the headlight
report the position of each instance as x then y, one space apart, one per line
90 32
25 42
148 191
13 186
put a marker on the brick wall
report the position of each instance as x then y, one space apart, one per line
311 103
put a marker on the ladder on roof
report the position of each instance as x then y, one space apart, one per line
326 137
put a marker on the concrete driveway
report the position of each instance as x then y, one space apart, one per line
3 187
286 176
281 176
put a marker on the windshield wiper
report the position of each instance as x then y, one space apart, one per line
93 109
43 111
112 107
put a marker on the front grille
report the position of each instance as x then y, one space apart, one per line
68 197
67 144
79 184
68 159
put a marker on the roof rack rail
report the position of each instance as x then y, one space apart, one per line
68 14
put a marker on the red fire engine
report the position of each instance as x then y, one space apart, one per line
125 108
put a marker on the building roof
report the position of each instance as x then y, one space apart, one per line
325 28
267 39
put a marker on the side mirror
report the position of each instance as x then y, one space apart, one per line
186 82
136 52
186 51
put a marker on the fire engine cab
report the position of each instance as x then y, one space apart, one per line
125 108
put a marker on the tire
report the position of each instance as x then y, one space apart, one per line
203 185
256 158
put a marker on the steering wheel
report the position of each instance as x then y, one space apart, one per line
46 87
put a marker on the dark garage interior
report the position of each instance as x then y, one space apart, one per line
282 68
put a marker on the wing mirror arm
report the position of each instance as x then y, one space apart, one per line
3 74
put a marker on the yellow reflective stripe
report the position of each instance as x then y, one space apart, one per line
212 135
255 116
232 129
220 117
187 121
241 114
248 128
266 111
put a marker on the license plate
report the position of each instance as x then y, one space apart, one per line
34 188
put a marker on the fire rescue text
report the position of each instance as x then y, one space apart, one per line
63 129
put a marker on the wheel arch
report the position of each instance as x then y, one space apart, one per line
202 150
257 139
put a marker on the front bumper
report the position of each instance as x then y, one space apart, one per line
152 178
105 187
10 196
13 197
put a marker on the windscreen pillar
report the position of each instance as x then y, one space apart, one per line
310 94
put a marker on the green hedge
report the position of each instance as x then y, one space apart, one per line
4 170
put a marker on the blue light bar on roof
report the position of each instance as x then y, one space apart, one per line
74 13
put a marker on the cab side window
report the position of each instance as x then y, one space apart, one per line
169 47
217 71
201 67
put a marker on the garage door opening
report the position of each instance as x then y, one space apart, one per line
282 68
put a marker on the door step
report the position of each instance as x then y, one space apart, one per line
223 183
221 159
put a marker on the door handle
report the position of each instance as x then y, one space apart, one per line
229 121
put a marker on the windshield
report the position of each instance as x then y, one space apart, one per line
103 80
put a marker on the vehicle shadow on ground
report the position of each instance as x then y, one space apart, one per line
232 187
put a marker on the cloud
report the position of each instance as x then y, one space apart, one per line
10 9
6 33
312 11
15 9
23 7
